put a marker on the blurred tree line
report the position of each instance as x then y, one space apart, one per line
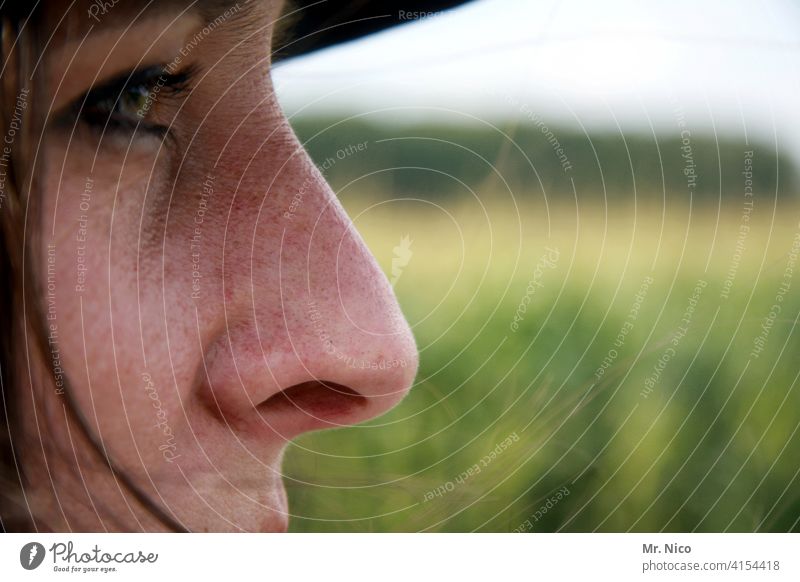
431 160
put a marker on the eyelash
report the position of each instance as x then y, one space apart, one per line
102 108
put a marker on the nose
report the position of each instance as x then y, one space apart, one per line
311 335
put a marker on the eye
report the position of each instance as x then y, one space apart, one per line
129 102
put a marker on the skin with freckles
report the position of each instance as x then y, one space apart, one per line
207 296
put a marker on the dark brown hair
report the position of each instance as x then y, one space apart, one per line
17 29
21 316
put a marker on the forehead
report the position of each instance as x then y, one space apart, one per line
65 20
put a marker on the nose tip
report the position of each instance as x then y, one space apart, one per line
305 383
343 375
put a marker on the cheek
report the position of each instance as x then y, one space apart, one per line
144 278
101 260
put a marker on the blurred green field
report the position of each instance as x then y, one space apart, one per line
688 427
713 447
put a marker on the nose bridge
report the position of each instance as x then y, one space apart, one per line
344 323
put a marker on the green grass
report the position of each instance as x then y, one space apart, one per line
713 447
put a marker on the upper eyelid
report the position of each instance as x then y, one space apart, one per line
115 87
58 114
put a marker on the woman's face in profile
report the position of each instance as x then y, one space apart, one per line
206 298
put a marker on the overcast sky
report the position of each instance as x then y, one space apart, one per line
730 65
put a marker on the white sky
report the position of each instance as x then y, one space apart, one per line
731 65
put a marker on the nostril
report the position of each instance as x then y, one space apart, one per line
319 399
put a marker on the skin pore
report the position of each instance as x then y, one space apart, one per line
201 287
